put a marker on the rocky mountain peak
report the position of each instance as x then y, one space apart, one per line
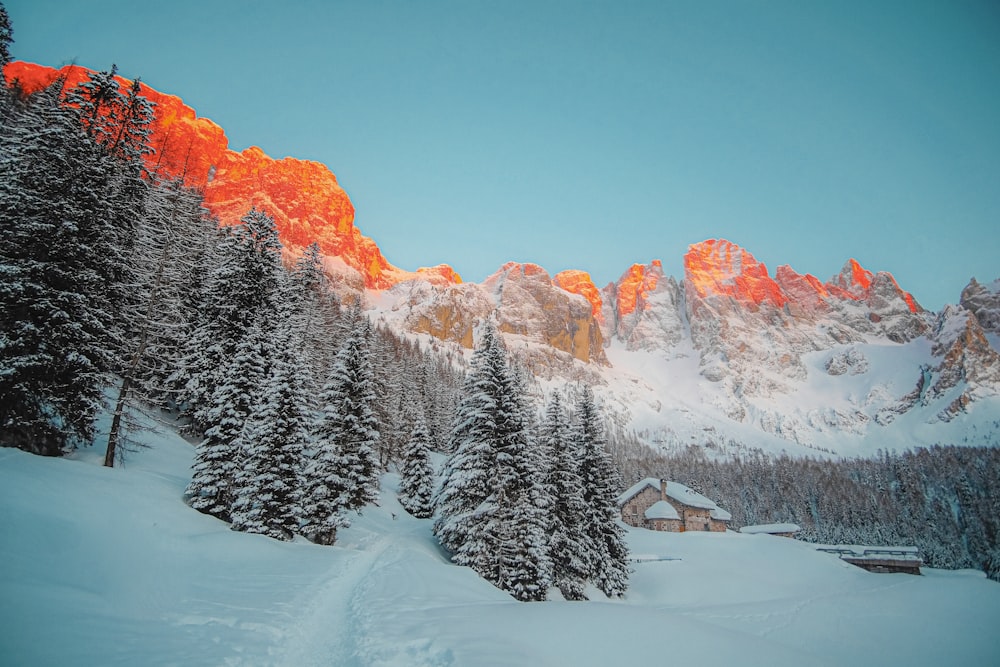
983 301
304 197
580 282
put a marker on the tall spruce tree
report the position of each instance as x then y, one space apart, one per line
6 38
231 350
65 271
268 484
240 292
491 504
569 546
348 423
171 241
608 558
416 488
221 455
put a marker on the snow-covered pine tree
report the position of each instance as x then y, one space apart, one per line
172 238
324 488
316 314
416 487
6 38
231 351
348 422
221 454
569 546
268 484
64 273
241 291
491 504
608 561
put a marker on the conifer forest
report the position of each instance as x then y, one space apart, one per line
119 292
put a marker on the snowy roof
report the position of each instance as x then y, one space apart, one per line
720 514
661 509
637 487
771 528
678 492
866 552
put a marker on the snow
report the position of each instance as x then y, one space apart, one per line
661 509
770 528
109 566
678 492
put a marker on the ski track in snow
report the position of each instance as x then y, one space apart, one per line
329 629
343 622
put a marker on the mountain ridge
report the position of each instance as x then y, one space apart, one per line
746 345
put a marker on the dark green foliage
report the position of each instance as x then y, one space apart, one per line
492 503
416 488
68 235
944 500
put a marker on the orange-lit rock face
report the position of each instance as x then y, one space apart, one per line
721 268
635 285
647 308
580 282
185 145
304 197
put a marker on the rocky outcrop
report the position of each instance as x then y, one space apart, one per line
523 300
968 364
744 321
647 308
304 197
983 301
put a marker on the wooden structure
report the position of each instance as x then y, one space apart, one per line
776 529
658 504
906 560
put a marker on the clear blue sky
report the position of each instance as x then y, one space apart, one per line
594 135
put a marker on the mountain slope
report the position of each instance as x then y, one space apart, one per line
729 354
108 566
302 196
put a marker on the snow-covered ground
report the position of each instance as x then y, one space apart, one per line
109 567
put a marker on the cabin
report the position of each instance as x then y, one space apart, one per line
776 529
659 504
900 559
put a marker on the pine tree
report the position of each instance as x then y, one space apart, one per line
172 238
608 561
568 544
240 292
316 313
267 495
6 38
348 423
233 349
325 488
221 454
64 265
492 505
416 487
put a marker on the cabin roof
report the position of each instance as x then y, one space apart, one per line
678 492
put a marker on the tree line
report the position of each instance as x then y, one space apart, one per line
945 500
119 289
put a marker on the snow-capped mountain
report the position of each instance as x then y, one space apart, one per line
727 354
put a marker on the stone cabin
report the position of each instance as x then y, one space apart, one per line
658 504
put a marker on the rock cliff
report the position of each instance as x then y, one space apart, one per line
304 197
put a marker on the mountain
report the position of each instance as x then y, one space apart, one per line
728 356
303 196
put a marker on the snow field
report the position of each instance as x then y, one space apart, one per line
109 567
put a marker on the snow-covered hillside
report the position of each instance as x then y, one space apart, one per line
109 567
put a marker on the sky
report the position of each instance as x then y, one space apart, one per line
596 135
